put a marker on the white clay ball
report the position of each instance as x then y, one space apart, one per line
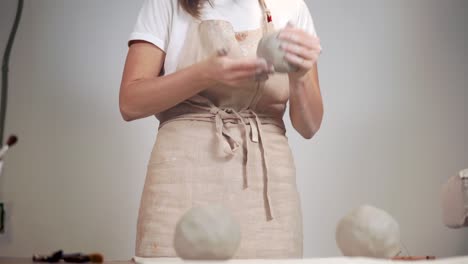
207 233
368 232
269 49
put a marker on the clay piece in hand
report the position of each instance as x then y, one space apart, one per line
269 49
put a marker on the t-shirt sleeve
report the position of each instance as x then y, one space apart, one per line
304 19
153 23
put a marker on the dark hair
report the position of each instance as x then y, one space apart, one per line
192 6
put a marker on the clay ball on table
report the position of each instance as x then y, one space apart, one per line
207 233
269 49
368 232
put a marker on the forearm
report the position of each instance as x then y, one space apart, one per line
146 97
305 104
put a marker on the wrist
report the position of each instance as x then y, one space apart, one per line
297 79
204 73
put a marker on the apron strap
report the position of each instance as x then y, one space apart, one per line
267 19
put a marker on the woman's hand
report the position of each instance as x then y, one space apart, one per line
236 71
302 49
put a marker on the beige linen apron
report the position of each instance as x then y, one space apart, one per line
227 145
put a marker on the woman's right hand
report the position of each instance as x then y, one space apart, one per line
236 71
143 94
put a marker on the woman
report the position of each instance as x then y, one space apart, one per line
221 137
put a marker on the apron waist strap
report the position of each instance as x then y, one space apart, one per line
201 109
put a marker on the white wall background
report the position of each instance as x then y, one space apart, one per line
394 78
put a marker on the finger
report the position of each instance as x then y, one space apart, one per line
299 51
240 76
248 73
307 41
296 30
247 64
299 62
299 38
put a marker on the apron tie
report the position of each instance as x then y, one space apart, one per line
230 145
256 133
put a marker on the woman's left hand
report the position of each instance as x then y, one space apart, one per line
302 49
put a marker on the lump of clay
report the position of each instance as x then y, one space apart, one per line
207 233
269 49
368 232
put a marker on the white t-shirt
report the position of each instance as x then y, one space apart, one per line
164 23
